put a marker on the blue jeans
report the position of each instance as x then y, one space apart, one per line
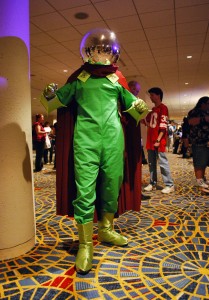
153 155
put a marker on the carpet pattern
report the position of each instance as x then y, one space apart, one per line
167 256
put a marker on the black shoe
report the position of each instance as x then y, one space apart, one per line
144 162
145 197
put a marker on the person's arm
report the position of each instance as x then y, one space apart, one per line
163 125
198 120
146 120
194 121
157 142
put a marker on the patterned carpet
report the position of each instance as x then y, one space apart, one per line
167 256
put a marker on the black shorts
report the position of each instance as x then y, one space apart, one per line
200 156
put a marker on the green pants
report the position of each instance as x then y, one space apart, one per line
100 153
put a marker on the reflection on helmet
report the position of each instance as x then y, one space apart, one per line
100 46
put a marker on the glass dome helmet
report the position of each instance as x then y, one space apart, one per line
100 46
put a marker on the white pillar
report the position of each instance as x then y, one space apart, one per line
17 221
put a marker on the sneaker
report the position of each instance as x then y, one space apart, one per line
150 188
168 190
202 184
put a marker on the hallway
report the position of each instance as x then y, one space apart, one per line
167 256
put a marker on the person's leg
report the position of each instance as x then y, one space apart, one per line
171 144
164 169
111 177
46 156
152 159
183 151
86 165
39 156
144 160
51 150
200 161
199 172
86 172
176 145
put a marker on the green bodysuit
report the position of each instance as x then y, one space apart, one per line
98 142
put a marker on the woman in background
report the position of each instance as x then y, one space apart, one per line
198 119
38 135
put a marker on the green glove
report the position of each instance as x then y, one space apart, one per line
49 99
50 91
138 110
140 105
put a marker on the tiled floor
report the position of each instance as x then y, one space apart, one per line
167 256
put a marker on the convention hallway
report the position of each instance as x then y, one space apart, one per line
167 256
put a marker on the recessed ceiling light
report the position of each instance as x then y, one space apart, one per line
186 83
81 15
189 56
65 71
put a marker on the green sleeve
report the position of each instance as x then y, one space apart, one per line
66 93
127 98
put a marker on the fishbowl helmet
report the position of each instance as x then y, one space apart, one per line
100 46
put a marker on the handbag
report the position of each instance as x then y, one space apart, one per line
47 142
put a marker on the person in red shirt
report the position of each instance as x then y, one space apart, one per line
157 121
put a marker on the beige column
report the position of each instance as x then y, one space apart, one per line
17 221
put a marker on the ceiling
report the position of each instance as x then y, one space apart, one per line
155 36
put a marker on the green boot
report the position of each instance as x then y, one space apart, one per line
83 262
107 234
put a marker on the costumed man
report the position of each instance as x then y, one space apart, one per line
98 139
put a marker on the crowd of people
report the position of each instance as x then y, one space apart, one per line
177 135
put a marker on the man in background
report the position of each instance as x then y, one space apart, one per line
156 122
171 130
